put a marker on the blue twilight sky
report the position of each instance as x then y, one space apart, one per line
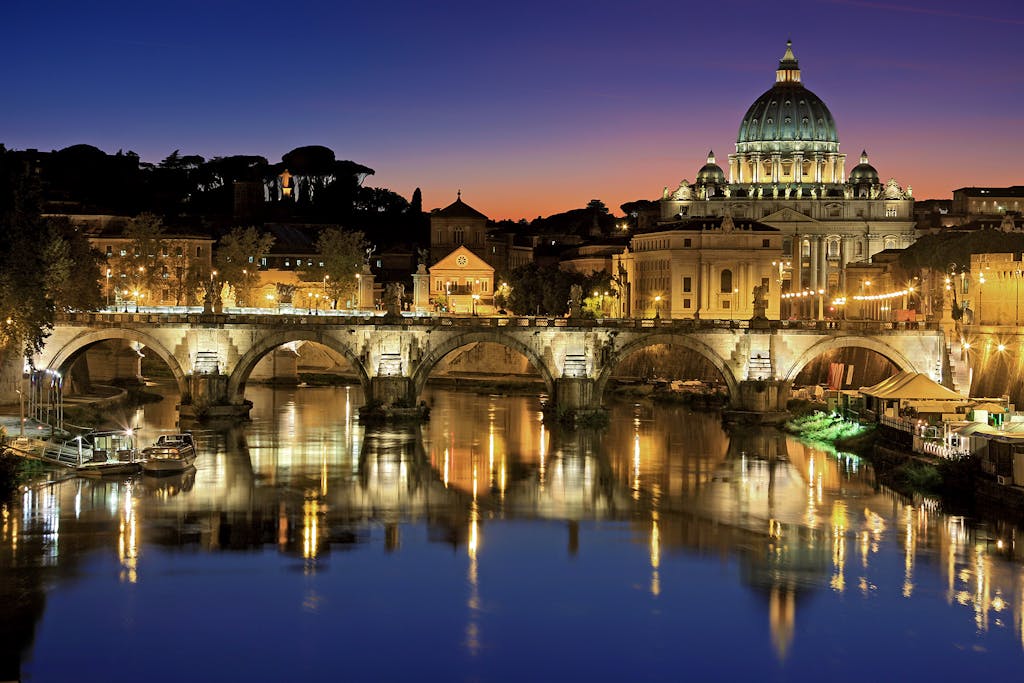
529 107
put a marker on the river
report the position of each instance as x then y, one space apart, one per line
484 546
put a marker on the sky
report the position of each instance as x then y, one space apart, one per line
529 108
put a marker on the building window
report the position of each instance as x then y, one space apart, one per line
123 252
725 281
110 251
891 213
726 303
686 303
805 249
833 249
687 284
199 252
858 249
458 235
766 243
179 252
687 242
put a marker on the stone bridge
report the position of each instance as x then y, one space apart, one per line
211 356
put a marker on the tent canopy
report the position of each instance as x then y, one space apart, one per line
910 386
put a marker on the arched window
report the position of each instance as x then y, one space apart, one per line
726 281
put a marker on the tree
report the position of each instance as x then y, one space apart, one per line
238 259
74 268
142 270
26 308
342 254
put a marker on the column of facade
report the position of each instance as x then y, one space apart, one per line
844 258
732 168
823 263
741 162
797 281
817 168
776 167
798 167
813 274
755 161
712 286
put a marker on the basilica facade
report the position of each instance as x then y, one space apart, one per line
786 175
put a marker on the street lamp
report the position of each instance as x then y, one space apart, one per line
657 306
476 298
326 278
108 287
21 398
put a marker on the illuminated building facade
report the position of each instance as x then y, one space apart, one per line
788 173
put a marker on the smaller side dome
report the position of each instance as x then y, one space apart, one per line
864 172
711 173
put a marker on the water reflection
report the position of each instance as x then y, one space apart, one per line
307 479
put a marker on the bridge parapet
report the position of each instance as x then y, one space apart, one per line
574 356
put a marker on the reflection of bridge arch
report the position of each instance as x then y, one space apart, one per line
83 341
437 353
686 341
849 341
245 365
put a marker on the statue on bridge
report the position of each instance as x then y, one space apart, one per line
760 302
575 300
393 294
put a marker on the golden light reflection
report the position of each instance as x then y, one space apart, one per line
127 539
473 603
782 619
636 465
310 528
655 553
909 550
840 523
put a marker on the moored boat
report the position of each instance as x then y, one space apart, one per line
109 453
171 454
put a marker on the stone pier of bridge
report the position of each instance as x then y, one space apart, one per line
212 356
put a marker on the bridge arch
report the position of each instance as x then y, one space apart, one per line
848 341
245 365
83 341
680 339
436 353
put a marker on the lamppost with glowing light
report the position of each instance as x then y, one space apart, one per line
108 287
326 278
657 306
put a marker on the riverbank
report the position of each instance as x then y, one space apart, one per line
959 484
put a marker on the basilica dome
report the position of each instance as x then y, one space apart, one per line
711 173
788 117
864 172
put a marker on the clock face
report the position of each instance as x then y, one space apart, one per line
461 260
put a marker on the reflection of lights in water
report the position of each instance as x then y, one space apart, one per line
447 465
310 528
636 465
655 552
127 541
323 471
78 499
542 454
840 523
473 627
910 546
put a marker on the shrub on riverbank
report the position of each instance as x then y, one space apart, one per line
824 427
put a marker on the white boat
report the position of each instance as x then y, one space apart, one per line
171 454
107 454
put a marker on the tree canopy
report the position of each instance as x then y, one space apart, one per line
940 251
237 259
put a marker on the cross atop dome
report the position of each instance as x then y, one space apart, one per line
789 67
